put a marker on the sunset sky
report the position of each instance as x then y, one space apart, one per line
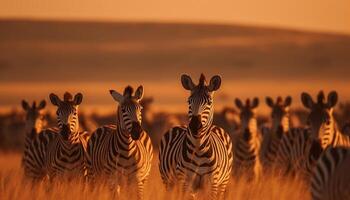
39 57
321 15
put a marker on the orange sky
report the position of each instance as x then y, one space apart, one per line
320 15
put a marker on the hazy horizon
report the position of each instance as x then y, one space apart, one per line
40 57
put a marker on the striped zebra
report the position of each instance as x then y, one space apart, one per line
305 153
197 156
280 114
321 120
123 152
331 177
246 144
33 126
65 156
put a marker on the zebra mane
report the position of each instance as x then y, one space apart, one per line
320 98
279 100
67 97
247 103
202 81
128 91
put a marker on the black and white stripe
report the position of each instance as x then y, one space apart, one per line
321 121
246 143
122 153
66 150
280 115
200 155
331 177
33 125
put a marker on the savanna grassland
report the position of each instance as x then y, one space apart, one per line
14 186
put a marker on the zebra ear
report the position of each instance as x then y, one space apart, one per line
332 99
307 100
139 93
116 96
288 101
25 105
255 103
187 82
239 103
78 98
269 101
215 83
55 100
42 105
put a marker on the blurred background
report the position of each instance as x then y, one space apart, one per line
260 48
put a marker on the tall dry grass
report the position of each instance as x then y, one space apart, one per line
14 186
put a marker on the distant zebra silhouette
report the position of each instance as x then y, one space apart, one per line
321 121
123 152
33 126
66 146
280 115
200 155
246 143
331 177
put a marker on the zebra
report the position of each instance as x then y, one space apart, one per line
33 126
65 156
304 154
122 151
331 177
280 115
321 121
246 144
199 155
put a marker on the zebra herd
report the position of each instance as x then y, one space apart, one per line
194 157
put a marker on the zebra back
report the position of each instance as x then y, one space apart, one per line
331 176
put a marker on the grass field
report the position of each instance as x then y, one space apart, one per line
14 186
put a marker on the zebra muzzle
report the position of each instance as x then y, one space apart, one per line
246 135
316 149
195 124
279 132
136 131
65 131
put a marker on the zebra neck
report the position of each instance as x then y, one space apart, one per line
251 130
199 141
33 130
282 126
124 140
74 137
330 135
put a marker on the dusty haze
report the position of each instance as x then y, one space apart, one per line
39 57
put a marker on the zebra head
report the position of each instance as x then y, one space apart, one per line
67 112
200 102
320 119
248 117
34 117
279 114
129 110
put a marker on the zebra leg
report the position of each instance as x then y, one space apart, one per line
214 191
184 189
140 189
222 191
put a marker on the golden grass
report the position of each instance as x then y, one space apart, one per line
14 186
